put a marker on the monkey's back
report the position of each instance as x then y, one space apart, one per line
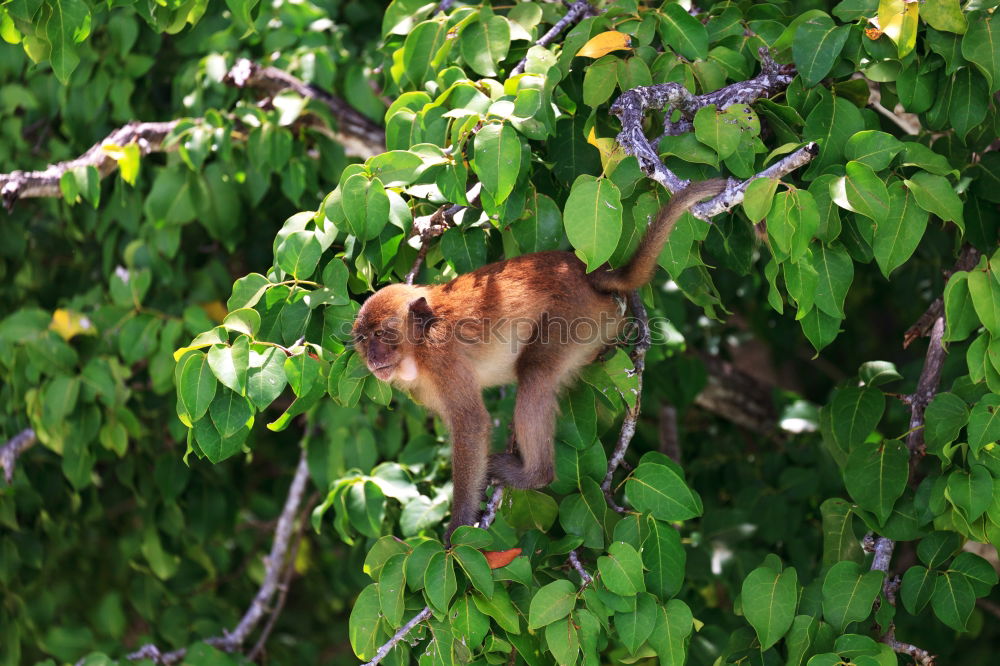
541 301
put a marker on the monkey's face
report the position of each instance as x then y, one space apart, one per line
380 334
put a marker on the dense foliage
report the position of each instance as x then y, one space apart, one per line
173 333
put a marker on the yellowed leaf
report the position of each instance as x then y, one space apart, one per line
611 152
127 157
899 20
67 324
216 310
605 43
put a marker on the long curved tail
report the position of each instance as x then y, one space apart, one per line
641 268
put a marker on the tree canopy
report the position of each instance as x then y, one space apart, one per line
793 461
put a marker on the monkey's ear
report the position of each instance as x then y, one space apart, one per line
421 317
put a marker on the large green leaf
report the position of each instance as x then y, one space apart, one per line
769 602
659 490
593 219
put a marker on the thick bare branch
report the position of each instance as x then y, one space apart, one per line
29 184
632 105
9 452
360 136
274 565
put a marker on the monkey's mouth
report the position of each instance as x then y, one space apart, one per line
385 371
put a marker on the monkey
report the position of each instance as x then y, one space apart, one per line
536 319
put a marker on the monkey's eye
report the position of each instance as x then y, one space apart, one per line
378 334
359 338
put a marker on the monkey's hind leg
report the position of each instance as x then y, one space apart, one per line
534 425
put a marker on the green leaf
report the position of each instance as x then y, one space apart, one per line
855 411
835 271
984 288
935 195
266 376
953 600
476 568
593 219
230 412
392 589
440 583
664 558
502 610
243 320
196 388
848 593
497 159
230 364
873 148
898 233
876 475
621 570
484 43
969 101
944 418
247 291
816 47
970 492
465 250
68 24
365 205
469 623
839 542
659 490
832 121
980 572
670 636
981 46
298 254
866 192
984 422
937 547
421 47
959 311
363 627
769 601
683 32
759 197
723 130
552 602
917 588
563 641
216 447
635 626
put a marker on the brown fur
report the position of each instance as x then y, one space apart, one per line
535 319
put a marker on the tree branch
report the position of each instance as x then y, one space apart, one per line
358 134
577 12
10 451
627 431
632 105
274 564
31 184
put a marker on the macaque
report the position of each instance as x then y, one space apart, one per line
534 319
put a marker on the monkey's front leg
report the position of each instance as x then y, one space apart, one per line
470 435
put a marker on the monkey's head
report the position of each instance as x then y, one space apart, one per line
390 328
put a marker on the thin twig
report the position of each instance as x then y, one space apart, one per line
574 559
399 635
577 12
927 385
921 656
358 134
273 567
286 578
9 452
627 431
